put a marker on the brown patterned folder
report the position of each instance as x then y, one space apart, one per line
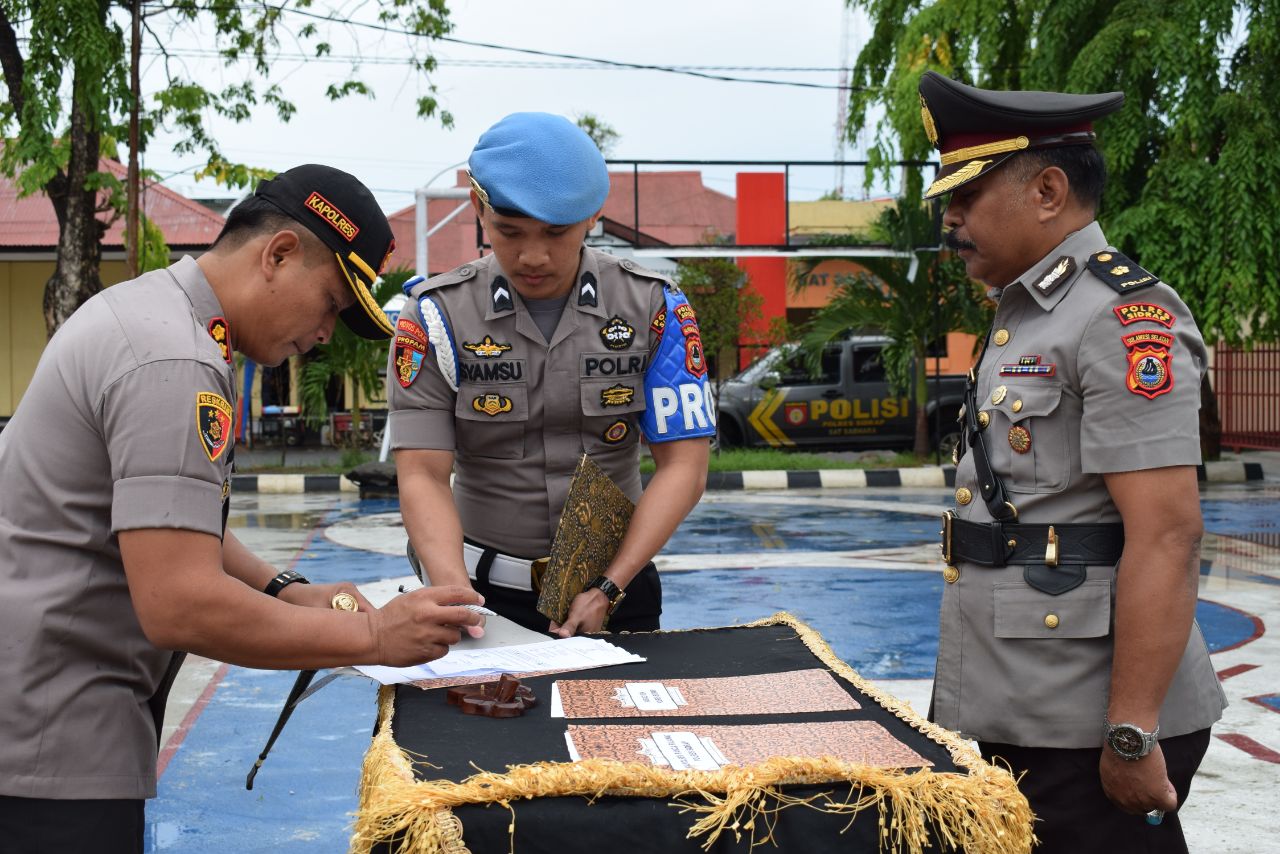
594 521
784 693
708 748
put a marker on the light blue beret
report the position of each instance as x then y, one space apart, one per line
541 166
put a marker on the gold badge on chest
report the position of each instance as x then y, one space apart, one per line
1019 439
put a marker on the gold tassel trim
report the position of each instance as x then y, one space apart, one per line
979 811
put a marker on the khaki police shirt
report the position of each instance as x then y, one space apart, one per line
126 425
1060 382
527 409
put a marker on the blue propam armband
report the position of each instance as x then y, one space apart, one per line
679 403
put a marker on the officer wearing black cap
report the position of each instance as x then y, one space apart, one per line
1067 642
509 369
113 542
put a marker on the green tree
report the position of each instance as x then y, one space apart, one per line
67 71
601 132
1192 155
347 356
912 307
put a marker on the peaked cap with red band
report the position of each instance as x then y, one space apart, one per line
978 129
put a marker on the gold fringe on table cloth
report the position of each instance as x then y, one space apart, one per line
981 810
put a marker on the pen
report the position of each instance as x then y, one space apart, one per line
479 609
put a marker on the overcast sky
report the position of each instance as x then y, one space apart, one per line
658 115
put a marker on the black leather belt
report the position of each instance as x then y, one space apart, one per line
1000 544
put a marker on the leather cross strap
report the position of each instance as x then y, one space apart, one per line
989 544
989 484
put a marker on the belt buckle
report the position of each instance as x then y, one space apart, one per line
947 517
537 569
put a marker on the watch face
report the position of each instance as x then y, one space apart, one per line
1126 741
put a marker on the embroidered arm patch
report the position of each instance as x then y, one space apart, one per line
679 404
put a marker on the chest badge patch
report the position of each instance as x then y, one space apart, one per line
487 349
617 334
491 404
1020 439
616 432
1150 369
220 332
1137 312
617 395
213 423
1029 366
410 352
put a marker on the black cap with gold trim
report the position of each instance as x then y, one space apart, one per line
342 212
978 129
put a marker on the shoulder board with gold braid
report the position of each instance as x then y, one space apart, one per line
1120 273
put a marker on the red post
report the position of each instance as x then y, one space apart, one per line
762 219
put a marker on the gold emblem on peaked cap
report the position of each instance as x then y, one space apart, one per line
966 172
930 129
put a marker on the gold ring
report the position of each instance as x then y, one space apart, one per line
344 602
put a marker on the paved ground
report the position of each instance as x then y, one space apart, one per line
859 565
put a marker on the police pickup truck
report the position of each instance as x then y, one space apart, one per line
778 402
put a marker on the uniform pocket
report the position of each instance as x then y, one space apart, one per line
1024 612
491 420
1036 436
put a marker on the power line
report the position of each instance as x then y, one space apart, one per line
598 61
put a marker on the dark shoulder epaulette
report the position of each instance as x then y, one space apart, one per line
458 274
1119 272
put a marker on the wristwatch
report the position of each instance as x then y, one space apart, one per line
283 580
612 592
1128 740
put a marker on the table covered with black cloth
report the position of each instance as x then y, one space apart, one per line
422 789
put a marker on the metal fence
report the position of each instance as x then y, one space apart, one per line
1247 383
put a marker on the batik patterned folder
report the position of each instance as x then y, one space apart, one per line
787 693
595 519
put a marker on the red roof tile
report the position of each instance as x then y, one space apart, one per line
675 208
30 223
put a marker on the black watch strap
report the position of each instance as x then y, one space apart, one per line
283 580
612 592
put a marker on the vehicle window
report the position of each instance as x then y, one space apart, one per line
795 370
868 367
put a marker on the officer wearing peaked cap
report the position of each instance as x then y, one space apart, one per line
1067 643
114 550
507 370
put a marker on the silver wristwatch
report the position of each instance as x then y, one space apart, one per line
1128 740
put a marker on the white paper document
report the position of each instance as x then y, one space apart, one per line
576 653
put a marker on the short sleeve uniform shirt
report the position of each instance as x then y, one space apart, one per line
126 425
1081 377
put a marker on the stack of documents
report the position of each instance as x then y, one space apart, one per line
576 653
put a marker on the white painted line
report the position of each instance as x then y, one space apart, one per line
1224 471
927 476
346 485
843 478
764 480
281 483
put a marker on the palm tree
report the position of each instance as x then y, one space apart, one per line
912 301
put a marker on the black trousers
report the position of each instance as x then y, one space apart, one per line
46 826
639 611
1073 813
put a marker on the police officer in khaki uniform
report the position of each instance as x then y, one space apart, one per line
113 542
507 370
1068 645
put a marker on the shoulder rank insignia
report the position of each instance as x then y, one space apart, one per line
213 423
486 349
1121 274
221 334
1058 273
588 292
617 334
500 293
1137 312
1150 371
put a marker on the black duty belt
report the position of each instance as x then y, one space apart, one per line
1000 544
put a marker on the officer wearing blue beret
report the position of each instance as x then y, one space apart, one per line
507 370
1067 643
